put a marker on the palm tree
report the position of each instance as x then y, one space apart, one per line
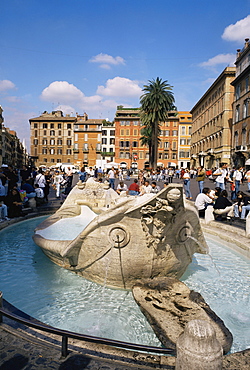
156 101
146 138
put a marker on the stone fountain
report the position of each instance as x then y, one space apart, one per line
142 243
121 240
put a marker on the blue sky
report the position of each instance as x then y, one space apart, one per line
92 55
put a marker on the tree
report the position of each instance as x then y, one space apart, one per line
156 101
146 138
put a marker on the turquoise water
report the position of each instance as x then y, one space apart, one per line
34 284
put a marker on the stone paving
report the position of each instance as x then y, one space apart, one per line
21 352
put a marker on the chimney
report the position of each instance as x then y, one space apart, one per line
246 43
238 53
85 117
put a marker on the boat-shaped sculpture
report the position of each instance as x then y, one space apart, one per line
116 241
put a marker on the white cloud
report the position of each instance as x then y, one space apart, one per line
238 31
120 87
106 60
62 92
6 85
227 59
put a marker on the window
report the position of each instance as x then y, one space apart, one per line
44 141
189 130
59 151
127 123
52 142
247 84
112 132
174 145
244 136
183 130
99 137
173 155
166 155
183 142
122 132
112 141
45 125
104 140
167 133
237 113
35 133
111 150
127 132
135 123
85 146
76 127
86 127
52 151
166 144
35 141
59 133
52 125
59 125
69 133
134 144
127 144
245 109
104 150
76 137
175 132
85 137
69 125
122 155
238 89
59 141
104 132
52 133
52 160
135 132
122 123
45 160
44 151
44 133
122 144
59 160
68 151
68 142
35 125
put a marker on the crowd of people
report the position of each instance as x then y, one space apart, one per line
30 186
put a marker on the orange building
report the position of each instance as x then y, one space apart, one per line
128 148
87 140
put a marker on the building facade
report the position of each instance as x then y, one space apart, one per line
108 142
212 123
87 140
1 138
129 151
241 112
185 128
52 139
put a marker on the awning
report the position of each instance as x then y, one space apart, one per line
247 163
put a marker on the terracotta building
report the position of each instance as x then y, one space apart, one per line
129 150
241 112
212 123
87 140
1 138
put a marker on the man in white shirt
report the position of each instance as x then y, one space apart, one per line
146 188
111 176
202 200
237 178
221 175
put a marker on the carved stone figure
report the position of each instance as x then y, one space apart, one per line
117 241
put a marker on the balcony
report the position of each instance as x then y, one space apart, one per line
85 150
76 150
107 154
241 148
